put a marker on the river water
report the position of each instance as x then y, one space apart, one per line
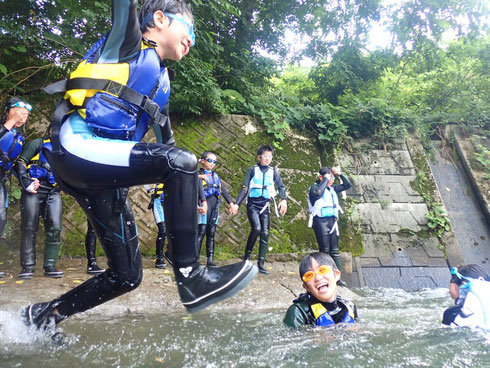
397 329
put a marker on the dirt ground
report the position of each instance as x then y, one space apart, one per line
156 294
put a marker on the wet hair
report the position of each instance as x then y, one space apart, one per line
325 170
472 271
205 154
265 148
167 6
320 257
8 104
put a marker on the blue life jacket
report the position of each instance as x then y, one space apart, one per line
211 184
262 185
327 205
109 115
39 167
324 319
11 147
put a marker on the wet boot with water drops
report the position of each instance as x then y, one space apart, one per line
198 286
44 318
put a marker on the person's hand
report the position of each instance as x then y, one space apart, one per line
233 209
283 207
33 187
16 117
203 208
336 170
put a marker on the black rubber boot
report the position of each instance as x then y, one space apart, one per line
160 242
44 318
210 252
51 271
93 268
200 286
336 258
248 250
264 242
26 273
160 263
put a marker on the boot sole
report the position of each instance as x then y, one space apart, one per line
95 272
222 293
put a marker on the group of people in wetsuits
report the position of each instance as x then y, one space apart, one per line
40 193
116 94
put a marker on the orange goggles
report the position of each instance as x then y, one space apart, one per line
322 270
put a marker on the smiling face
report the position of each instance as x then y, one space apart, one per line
171 35
322 287
265 158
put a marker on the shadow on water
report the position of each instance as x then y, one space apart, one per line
398 329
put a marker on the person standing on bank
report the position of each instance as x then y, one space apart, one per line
213 189
323 204
40 197
114 96
156 204
259 183
15 114
90 246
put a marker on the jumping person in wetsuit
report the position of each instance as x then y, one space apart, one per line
323 204
470 289
213 188
320 305
41 197
15 115
259 183
112 98
90 245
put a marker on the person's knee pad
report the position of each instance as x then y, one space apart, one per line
255 232
264 233
125 281
53 235
178 158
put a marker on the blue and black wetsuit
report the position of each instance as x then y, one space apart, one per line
325 219
213 189
102 156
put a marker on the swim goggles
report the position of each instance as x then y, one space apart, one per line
190 27
22 105
211 161
266 156
321 271
456 276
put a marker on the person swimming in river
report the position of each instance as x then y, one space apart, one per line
320 305
111 100
470 289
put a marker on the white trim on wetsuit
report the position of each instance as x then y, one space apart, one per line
79 140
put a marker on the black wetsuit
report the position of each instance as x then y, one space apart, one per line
98 173
45 203
328 240
258 211
210 220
